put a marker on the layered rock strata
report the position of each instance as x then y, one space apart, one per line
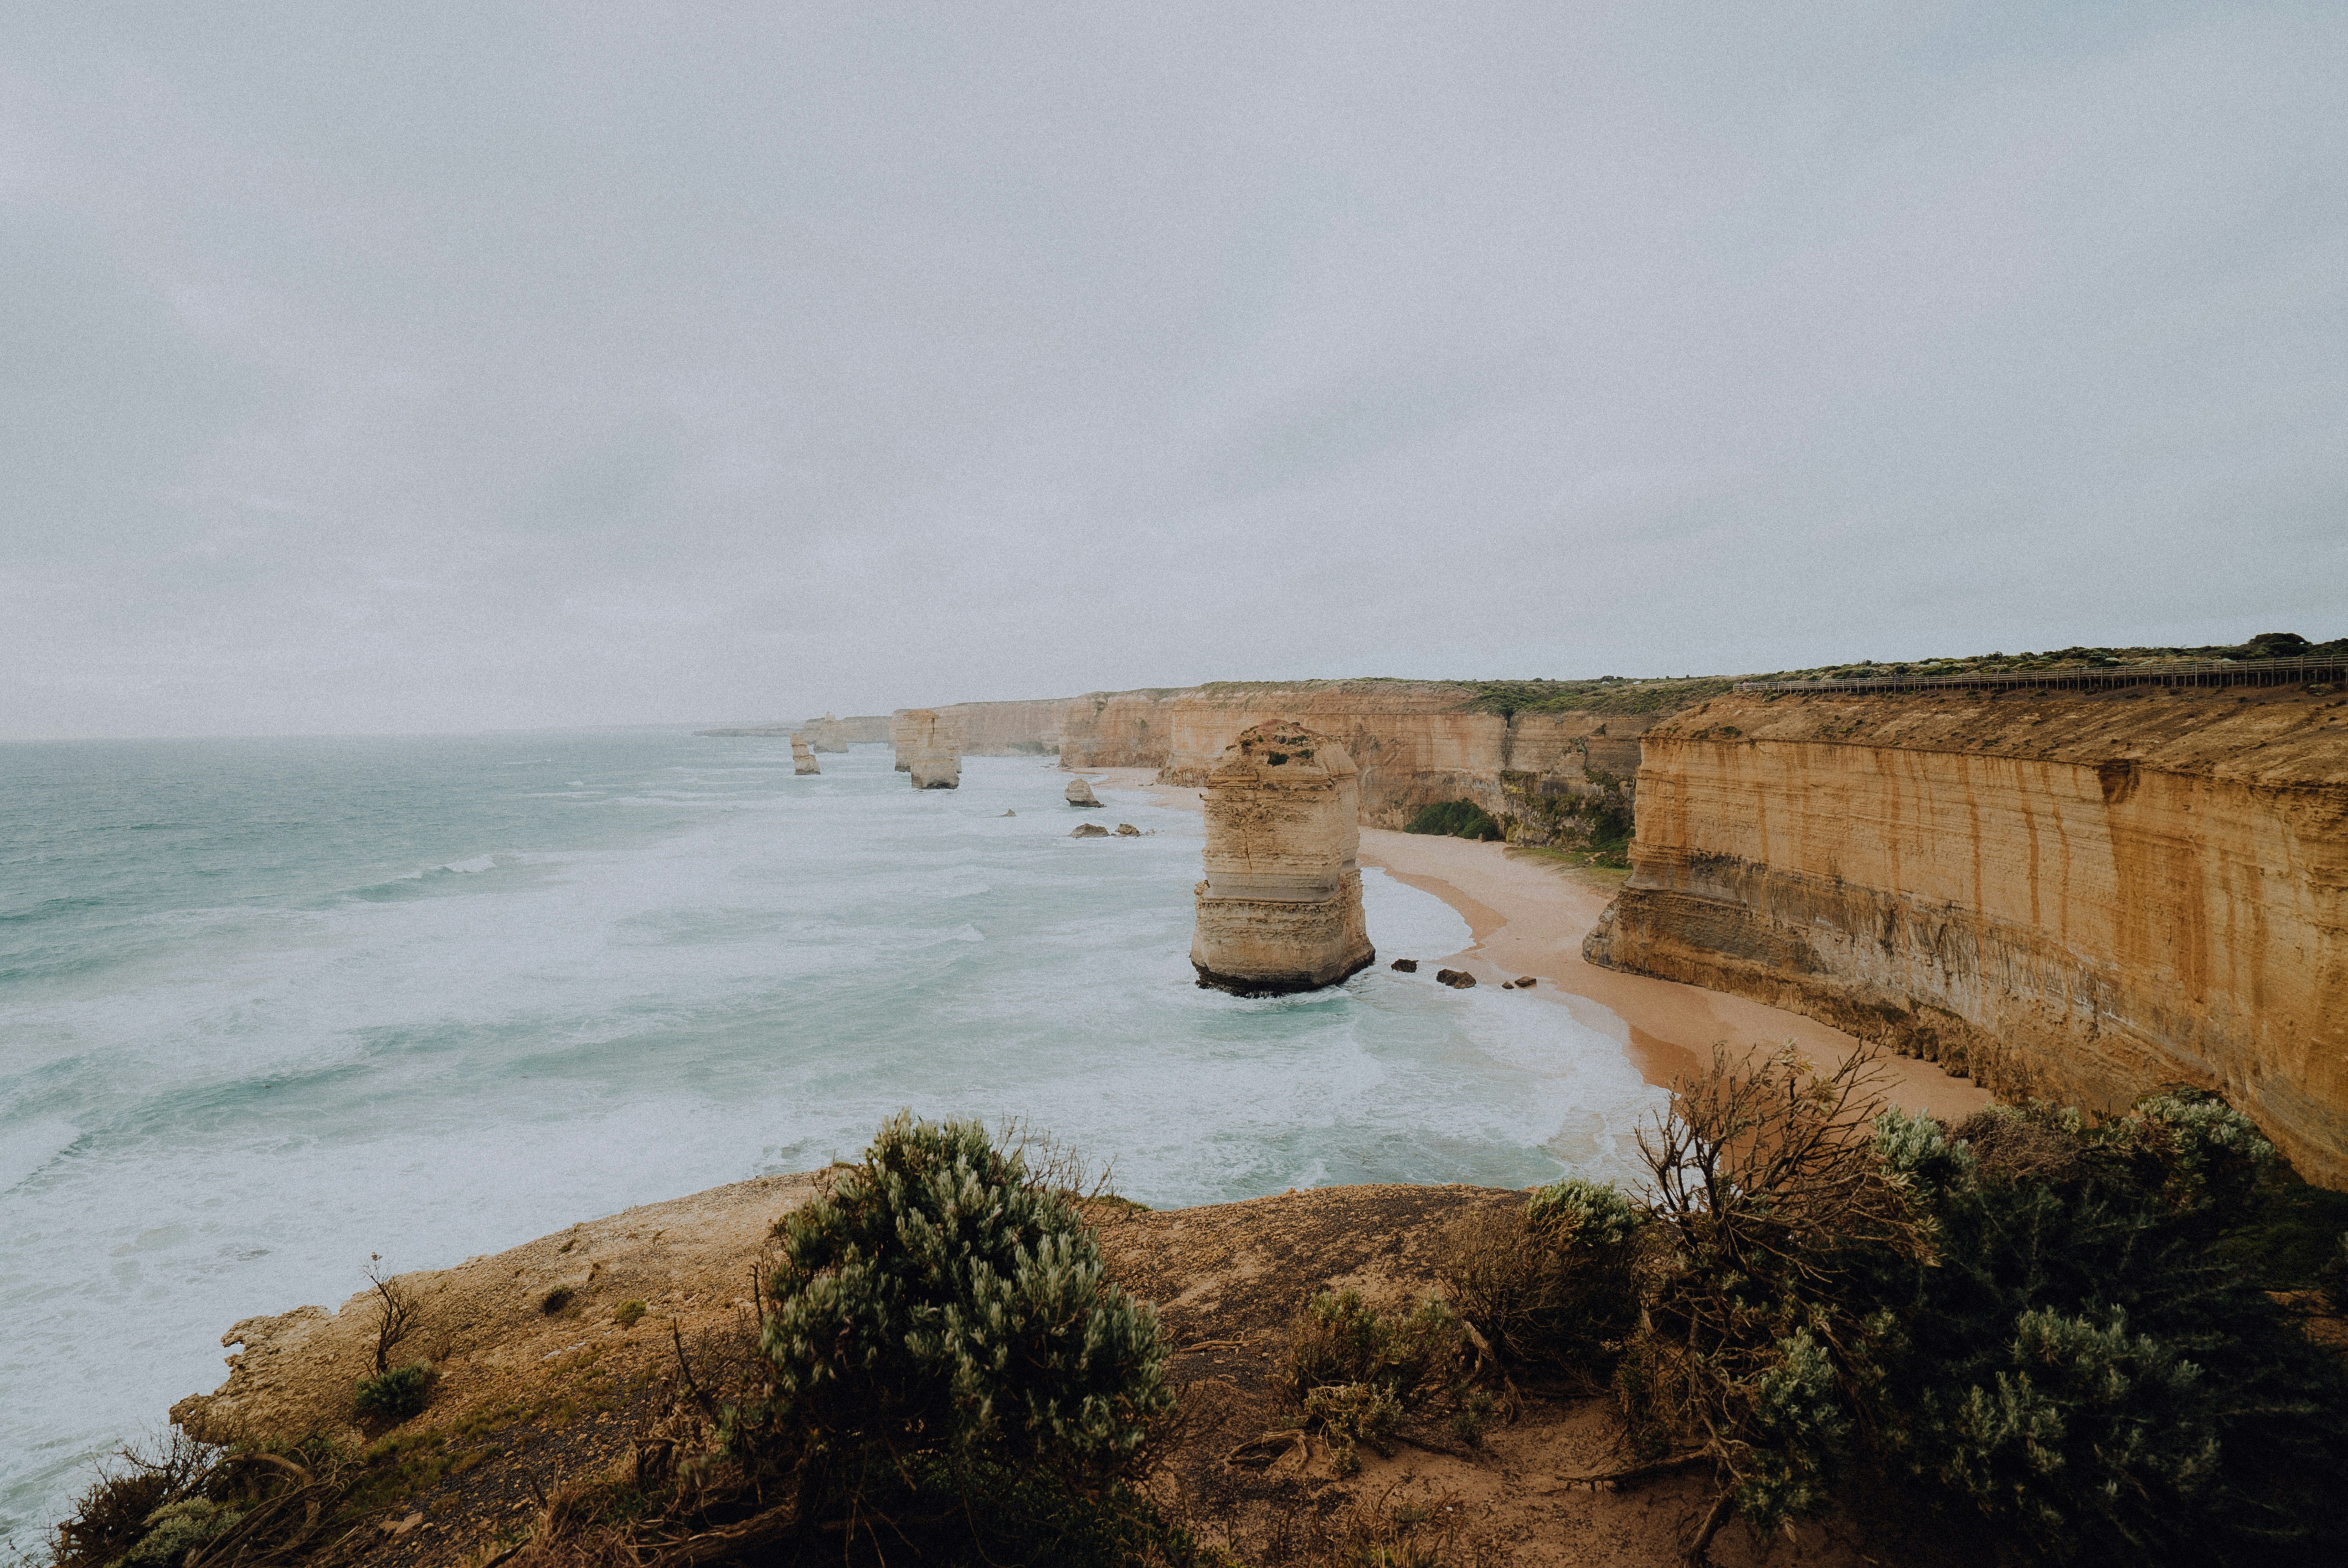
1546 776
803 757
2084 896
1281 908
930 750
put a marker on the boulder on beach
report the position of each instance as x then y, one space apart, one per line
1525 982
1080 793
1088 830
1457 979
1407 966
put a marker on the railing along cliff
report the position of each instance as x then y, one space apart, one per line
2195 673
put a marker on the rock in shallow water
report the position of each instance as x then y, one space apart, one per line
1281 908
1088 830
1457 979
1080 793
1407 966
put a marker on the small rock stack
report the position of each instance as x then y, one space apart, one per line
802 756
1080 793
1281 909
929 747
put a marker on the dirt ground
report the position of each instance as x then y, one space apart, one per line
529 1398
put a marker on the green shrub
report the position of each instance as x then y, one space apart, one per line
940 1322
1338 1341
628 1314
1554 1284
2030 1333
395 1395
556 1299
1356 1412
121 1505
174 1528
1458 819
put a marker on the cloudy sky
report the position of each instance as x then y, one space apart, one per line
403 366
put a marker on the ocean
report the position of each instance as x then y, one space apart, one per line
269 1008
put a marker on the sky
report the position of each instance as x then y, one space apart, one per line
413 368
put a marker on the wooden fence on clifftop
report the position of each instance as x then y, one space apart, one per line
2196 672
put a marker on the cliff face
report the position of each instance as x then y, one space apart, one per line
1120 729
2080 897
835 735
1418 742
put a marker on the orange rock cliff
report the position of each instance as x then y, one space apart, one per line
2082 896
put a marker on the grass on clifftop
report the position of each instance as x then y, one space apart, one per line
1669 694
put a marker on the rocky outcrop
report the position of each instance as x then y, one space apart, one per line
1080 793
1281 908
1088 830
2085 896
1119 729
930 748
803 757
832 734
1547 776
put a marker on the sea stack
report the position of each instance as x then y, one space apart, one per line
1081 792
824 734
931 750
802 756
1281 909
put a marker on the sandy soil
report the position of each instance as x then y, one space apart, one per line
1528 914
530 1399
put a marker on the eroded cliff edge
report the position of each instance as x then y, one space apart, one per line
2082 896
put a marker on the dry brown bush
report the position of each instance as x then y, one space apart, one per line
1769 1188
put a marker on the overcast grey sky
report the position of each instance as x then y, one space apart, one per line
397 367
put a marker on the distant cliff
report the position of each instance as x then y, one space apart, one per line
2081 896
1552 761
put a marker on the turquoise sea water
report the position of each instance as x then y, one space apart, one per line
268 1007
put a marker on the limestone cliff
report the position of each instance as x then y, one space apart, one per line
2079 896
834 735
1421 743
1281 908
1548 775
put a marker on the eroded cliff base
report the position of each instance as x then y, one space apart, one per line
2080 897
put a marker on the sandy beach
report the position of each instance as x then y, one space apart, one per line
1528 914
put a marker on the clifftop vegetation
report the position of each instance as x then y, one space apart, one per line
2029 1337
1667 695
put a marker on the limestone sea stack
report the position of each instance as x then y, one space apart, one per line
931 750
824 734
1080 793
803 756
1281 909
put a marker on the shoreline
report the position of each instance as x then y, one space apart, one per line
1528 916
